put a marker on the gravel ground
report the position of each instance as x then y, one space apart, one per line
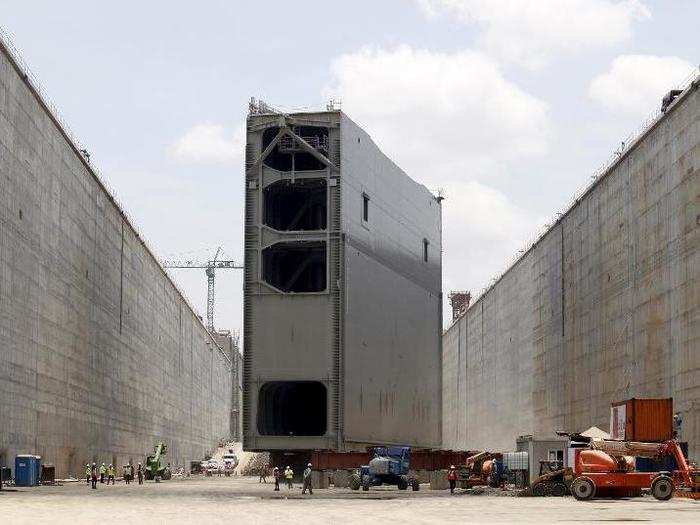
243 500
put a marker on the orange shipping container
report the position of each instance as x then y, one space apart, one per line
649 420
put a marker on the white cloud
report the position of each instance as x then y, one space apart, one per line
441 116
482 231
451 121
210 144
636 83
530 32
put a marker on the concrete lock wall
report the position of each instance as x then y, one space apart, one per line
604 307
100 355
229 343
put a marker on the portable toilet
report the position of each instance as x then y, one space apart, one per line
26 470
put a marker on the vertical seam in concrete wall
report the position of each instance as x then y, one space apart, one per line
630 277
121 282
180 339
563 295
482 334
466 377
191 380
439 336
459 370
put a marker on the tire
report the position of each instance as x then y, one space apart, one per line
540 489
355 482
583 489
558 489
662 488
366 482
402 484
415 486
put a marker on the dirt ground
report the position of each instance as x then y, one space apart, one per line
244 500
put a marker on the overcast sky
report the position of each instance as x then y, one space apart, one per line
506 106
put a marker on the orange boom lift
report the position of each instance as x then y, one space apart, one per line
606 469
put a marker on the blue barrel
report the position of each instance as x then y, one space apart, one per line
26 470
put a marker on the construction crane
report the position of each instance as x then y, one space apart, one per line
209 269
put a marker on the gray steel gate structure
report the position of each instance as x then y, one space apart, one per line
342 290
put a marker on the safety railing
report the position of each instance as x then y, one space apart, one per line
288 143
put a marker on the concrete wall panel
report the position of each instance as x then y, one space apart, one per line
100 356
603 308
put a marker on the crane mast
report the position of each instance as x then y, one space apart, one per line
210 268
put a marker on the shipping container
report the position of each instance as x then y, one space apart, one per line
636 419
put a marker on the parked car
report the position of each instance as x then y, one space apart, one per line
230 460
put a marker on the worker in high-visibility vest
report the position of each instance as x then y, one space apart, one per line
88 473
103 472
289 475
452 478
128 472
110 474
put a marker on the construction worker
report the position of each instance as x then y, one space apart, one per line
452 478
263 474
307 480
103 472
139 474
289 476
126 473
110 474
93 475
277 475
88 473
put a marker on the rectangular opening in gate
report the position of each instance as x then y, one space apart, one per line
296 205
296 267
290 154
292 408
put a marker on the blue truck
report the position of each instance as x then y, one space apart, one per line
389 466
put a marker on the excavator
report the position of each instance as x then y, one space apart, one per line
154 468
606 469
479 470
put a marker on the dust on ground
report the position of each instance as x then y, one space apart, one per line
243 500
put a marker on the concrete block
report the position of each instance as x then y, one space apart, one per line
320 479
438 480
423 476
